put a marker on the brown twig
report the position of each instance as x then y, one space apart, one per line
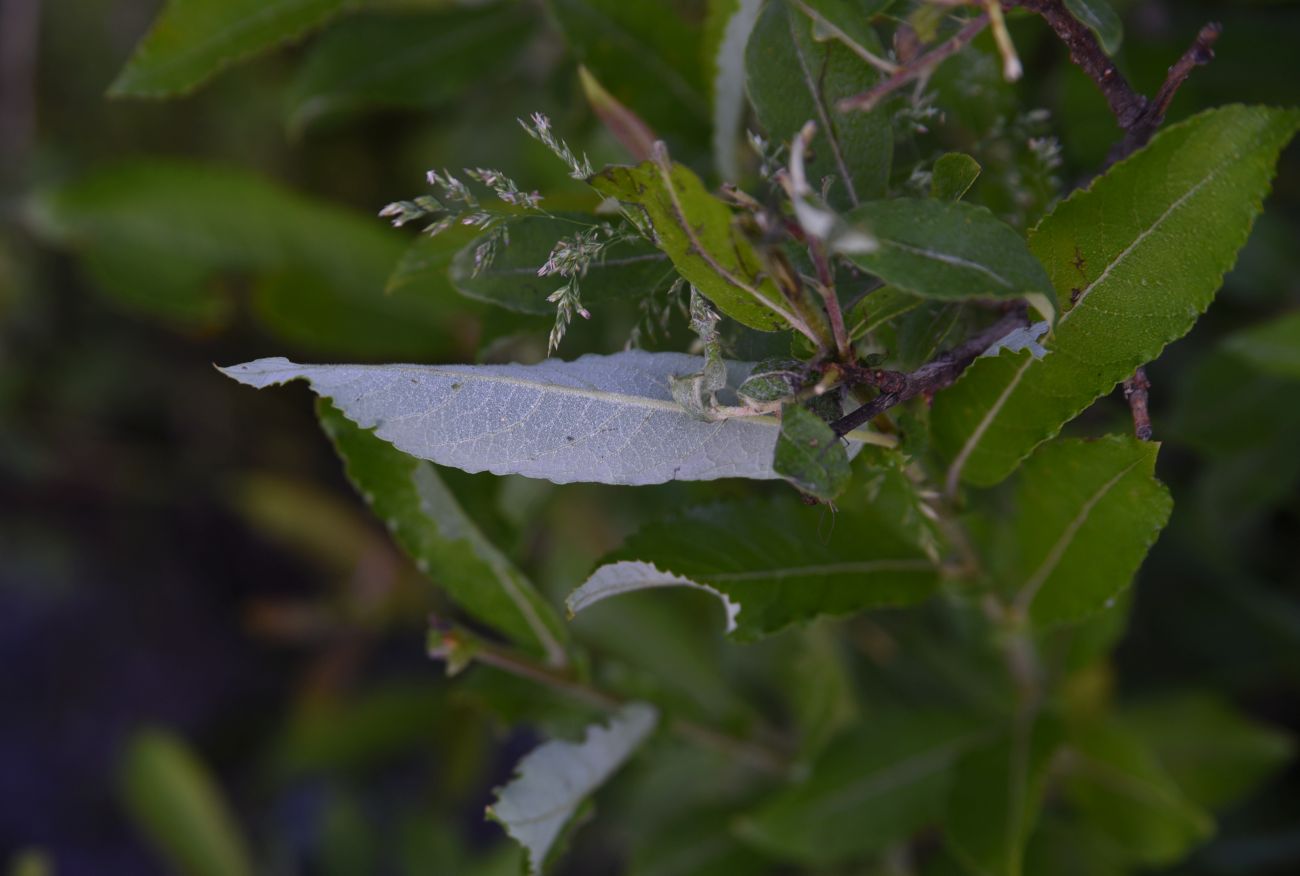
939 373
1137 390
916 69
1199 53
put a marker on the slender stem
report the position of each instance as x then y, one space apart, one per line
1137 392
756 755
826 287
917 69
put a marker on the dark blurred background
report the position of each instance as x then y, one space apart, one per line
179 552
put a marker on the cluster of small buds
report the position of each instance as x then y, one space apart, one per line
567 300
771 156
540 130
505 188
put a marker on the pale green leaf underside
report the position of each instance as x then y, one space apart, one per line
427 520
1142 252
771 565
604 419
552 781
728 91
191 40
1087 512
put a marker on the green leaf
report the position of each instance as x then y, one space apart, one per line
1119 788
191 40
1087 512
647 56
157 233
1215 754
404 60
771 564
175 802
810 455
997 791
1272 347
697 232
1101 19
553 780
428 522
1142 251
876 308
874 786
950 251
793 78
726 33
628 270
953 175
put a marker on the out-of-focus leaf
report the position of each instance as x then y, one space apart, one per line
1215 754
793 78
629 129
810 455
1142 251
406 60
874 786
177 805
772 564
602 419
553 780
1068 847
697 232
628 270
953 175
1101 19
156 232
694 844
950 251
192 40
425 518
1120 789
1086 513
1272 347
647 56
996 794
727 31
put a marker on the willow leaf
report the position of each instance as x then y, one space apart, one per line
552 781
429 523
1142 251
191 40
771 565
697 232
607 419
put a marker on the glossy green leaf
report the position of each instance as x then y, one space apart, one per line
427 520
952 176
771 564
1101 19
793 79
177 805
1272 347
1215 754
404 60
1087 512
1142 252
810 455
647 56
950 251
997 792
874 786
553 780
697 232
1120 789
191 40
627 270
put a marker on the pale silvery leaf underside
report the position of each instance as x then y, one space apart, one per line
607 419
